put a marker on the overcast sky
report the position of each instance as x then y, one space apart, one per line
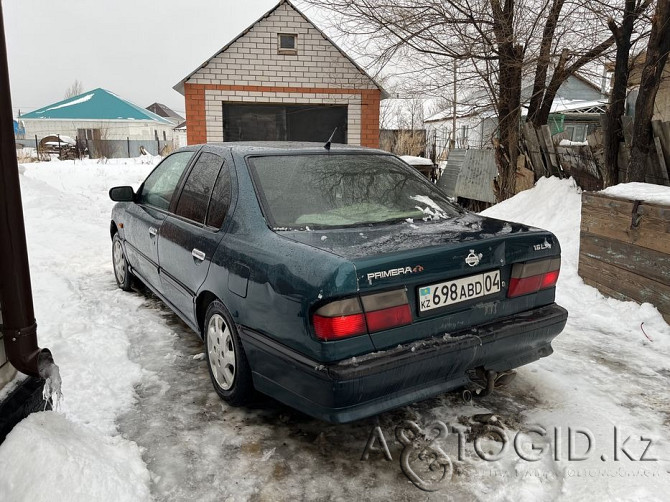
137 49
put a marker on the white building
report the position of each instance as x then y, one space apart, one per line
282 79
577 100
97 115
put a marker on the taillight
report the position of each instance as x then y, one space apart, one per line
386 310
369 314
340 319
332 328
533 276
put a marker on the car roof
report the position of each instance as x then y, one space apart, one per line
269 147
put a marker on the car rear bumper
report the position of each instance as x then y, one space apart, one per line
367 385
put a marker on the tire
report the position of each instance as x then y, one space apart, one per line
121 272
226 360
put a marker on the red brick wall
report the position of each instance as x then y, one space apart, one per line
197 121
370 118
196 125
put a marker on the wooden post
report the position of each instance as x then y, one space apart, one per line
662 132
533 146
551 152
660 168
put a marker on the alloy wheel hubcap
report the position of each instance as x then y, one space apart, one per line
221 351
119 263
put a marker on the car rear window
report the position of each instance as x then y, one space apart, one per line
342 190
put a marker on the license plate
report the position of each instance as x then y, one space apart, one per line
448 293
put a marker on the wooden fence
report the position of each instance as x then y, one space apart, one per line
545 156
625 249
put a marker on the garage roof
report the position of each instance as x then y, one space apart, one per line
179 87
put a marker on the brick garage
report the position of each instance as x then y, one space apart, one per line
281 79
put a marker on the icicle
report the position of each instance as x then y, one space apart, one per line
52 388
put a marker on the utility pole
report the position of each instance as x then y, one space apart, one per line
453 116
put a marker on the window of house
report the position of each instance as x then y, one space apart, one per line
288 43
576 132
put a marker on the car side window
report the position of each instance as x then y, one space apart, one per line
218 207
160 185
197 190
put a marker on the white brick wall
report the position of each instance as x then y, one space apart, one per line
135 129
214 100
253 58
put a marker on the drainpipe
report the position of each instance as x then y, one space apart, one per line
16 300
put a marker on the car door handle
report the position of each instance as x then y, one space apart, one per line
153 231
198 255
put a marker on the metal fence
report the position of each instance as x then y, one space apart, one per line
122 148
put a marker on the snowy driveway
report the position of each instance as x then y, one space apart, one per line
132 374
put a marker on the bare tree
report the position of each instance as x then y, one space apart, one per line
403 119
650 80
499 45
623 36
75 89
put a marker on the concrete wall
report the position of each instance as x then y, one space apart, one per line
253 70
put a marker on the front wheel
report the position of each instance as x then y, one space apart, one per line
227 362
121 272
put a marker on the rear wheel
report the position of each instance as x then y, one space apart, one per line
121 272
227 362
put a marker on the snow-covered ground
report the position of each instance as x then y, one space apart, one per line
140 420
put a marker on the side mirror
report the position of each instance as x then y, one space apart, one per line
122 194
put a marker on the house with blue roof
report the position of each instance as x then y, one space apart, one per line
101 116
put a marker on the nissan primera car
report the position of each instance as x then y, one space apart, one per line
338 281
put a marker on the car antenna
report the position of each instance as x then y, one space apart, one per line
327 145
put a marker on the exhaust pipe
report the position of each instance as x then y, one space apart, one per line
489 380
16 300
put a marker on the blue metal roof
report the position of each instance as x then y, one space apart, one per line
98 104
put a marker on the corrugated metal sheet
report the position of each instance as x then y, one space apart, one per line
470 174
447 181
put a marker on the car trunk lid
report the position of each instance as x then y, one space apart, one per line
414 256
